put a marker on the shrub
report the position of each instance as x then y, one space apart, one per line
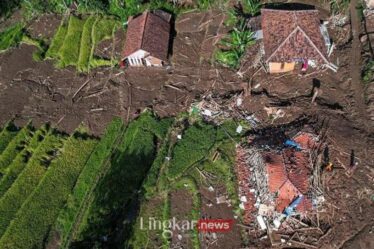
27 181
69 52
7 6
11 37
20 162
235 45
195 144
251 7
368 72
37 214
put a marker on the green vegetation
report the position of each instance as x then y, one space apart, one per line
6 135
88 33
51 193
234 45
11 37
195 144
251 7
368 72
73 191
86 45
7 7
21 160
17 144
130 162
339 6
28 180
57 41
69 52
223 170
95 167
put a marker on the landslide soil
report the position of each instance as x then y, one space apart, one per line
40 92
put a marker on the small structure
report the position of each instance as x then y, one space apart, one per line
147 39
293 36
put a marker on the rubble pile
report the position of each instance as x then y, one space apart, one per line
246 188
281 181
218 110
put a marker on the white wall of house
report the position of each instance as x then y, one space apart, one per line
136 58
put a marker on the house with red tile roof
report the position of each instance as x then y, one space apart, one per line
289 173
147 39
291 37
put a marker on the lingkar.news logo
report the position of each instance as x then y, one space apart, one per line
168 227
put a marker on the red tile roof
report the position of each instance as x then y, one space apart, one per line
297 167
275 170
306 140
149 32
289 173
305 205
287 193
292 35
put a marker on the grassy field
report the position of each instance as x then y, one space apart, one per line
76 39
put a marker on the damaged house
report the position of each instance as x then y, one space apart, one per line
289 173
282 176
292 37
147 39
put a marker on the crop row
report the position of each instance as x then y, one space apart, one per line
38 213
6 135
27 181
17 144
74 43
92 171
111 197
21 160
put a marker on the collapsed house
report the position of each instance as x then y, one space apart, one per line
147 39
292 37
278 183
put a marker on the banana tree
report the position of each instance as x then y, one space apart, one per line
251 7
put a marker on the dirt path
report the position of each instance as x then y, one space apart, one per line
355 69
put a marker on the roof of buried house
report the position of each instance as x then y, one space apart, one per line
289 172
292 35
150 32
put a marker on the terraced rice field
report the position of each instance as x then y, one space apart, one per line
75 41
75 189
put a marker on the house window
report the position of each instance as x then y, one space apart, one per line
282 66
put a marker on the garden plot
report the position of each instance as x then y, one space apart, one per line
76 39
